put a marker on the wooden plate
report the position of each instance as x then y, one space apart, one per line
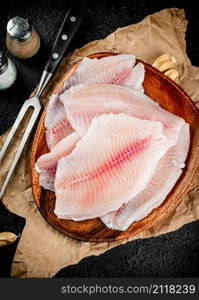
171 97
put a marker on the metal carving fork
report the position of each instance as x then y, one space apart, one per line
70 24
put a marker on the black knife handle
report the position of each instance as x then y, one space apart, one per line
70 24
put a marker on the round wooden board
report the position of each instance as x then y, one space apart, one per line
171 97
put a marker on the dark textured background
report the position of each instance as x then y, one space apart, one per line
171 255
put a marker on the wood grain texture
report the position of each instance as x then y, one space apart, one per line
172 98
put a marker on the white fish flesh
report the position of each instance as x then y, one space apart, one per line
46 165
135 78
166 175
56 123
84 102
116 69
111 163
114 152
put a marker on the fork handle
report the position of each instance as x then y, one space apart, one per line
70 24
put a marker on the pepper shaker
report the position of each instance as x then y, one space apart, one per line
22 40
8 72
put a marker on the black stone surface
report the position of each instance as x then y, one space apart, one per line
171 255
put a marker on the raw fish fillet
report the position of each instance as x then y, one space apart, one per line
116 69
84 102
166 175
111 163
56 123
46 165
135 78
113 69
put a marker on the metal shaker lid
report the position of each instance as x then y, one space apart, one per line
3 62
19 29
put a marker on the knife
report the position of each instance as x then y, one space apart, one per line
69 26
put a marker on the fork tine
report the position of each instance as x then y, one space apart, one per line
13 129
26 105
22 143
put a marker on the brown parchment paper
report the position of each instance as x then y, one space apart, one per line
42 251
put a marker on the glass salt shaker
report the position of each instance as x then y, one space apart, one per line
22 40
8 72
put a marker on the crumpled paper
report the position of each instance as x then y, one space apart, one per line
43 251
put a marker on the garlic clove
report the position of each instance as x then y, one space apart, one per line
173 74
7 238
164 62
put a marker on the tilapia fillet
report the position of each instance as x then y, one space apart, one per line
83 102
110 165
46 165
112 69
166 175
135 79
56 123
114 152
116 69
